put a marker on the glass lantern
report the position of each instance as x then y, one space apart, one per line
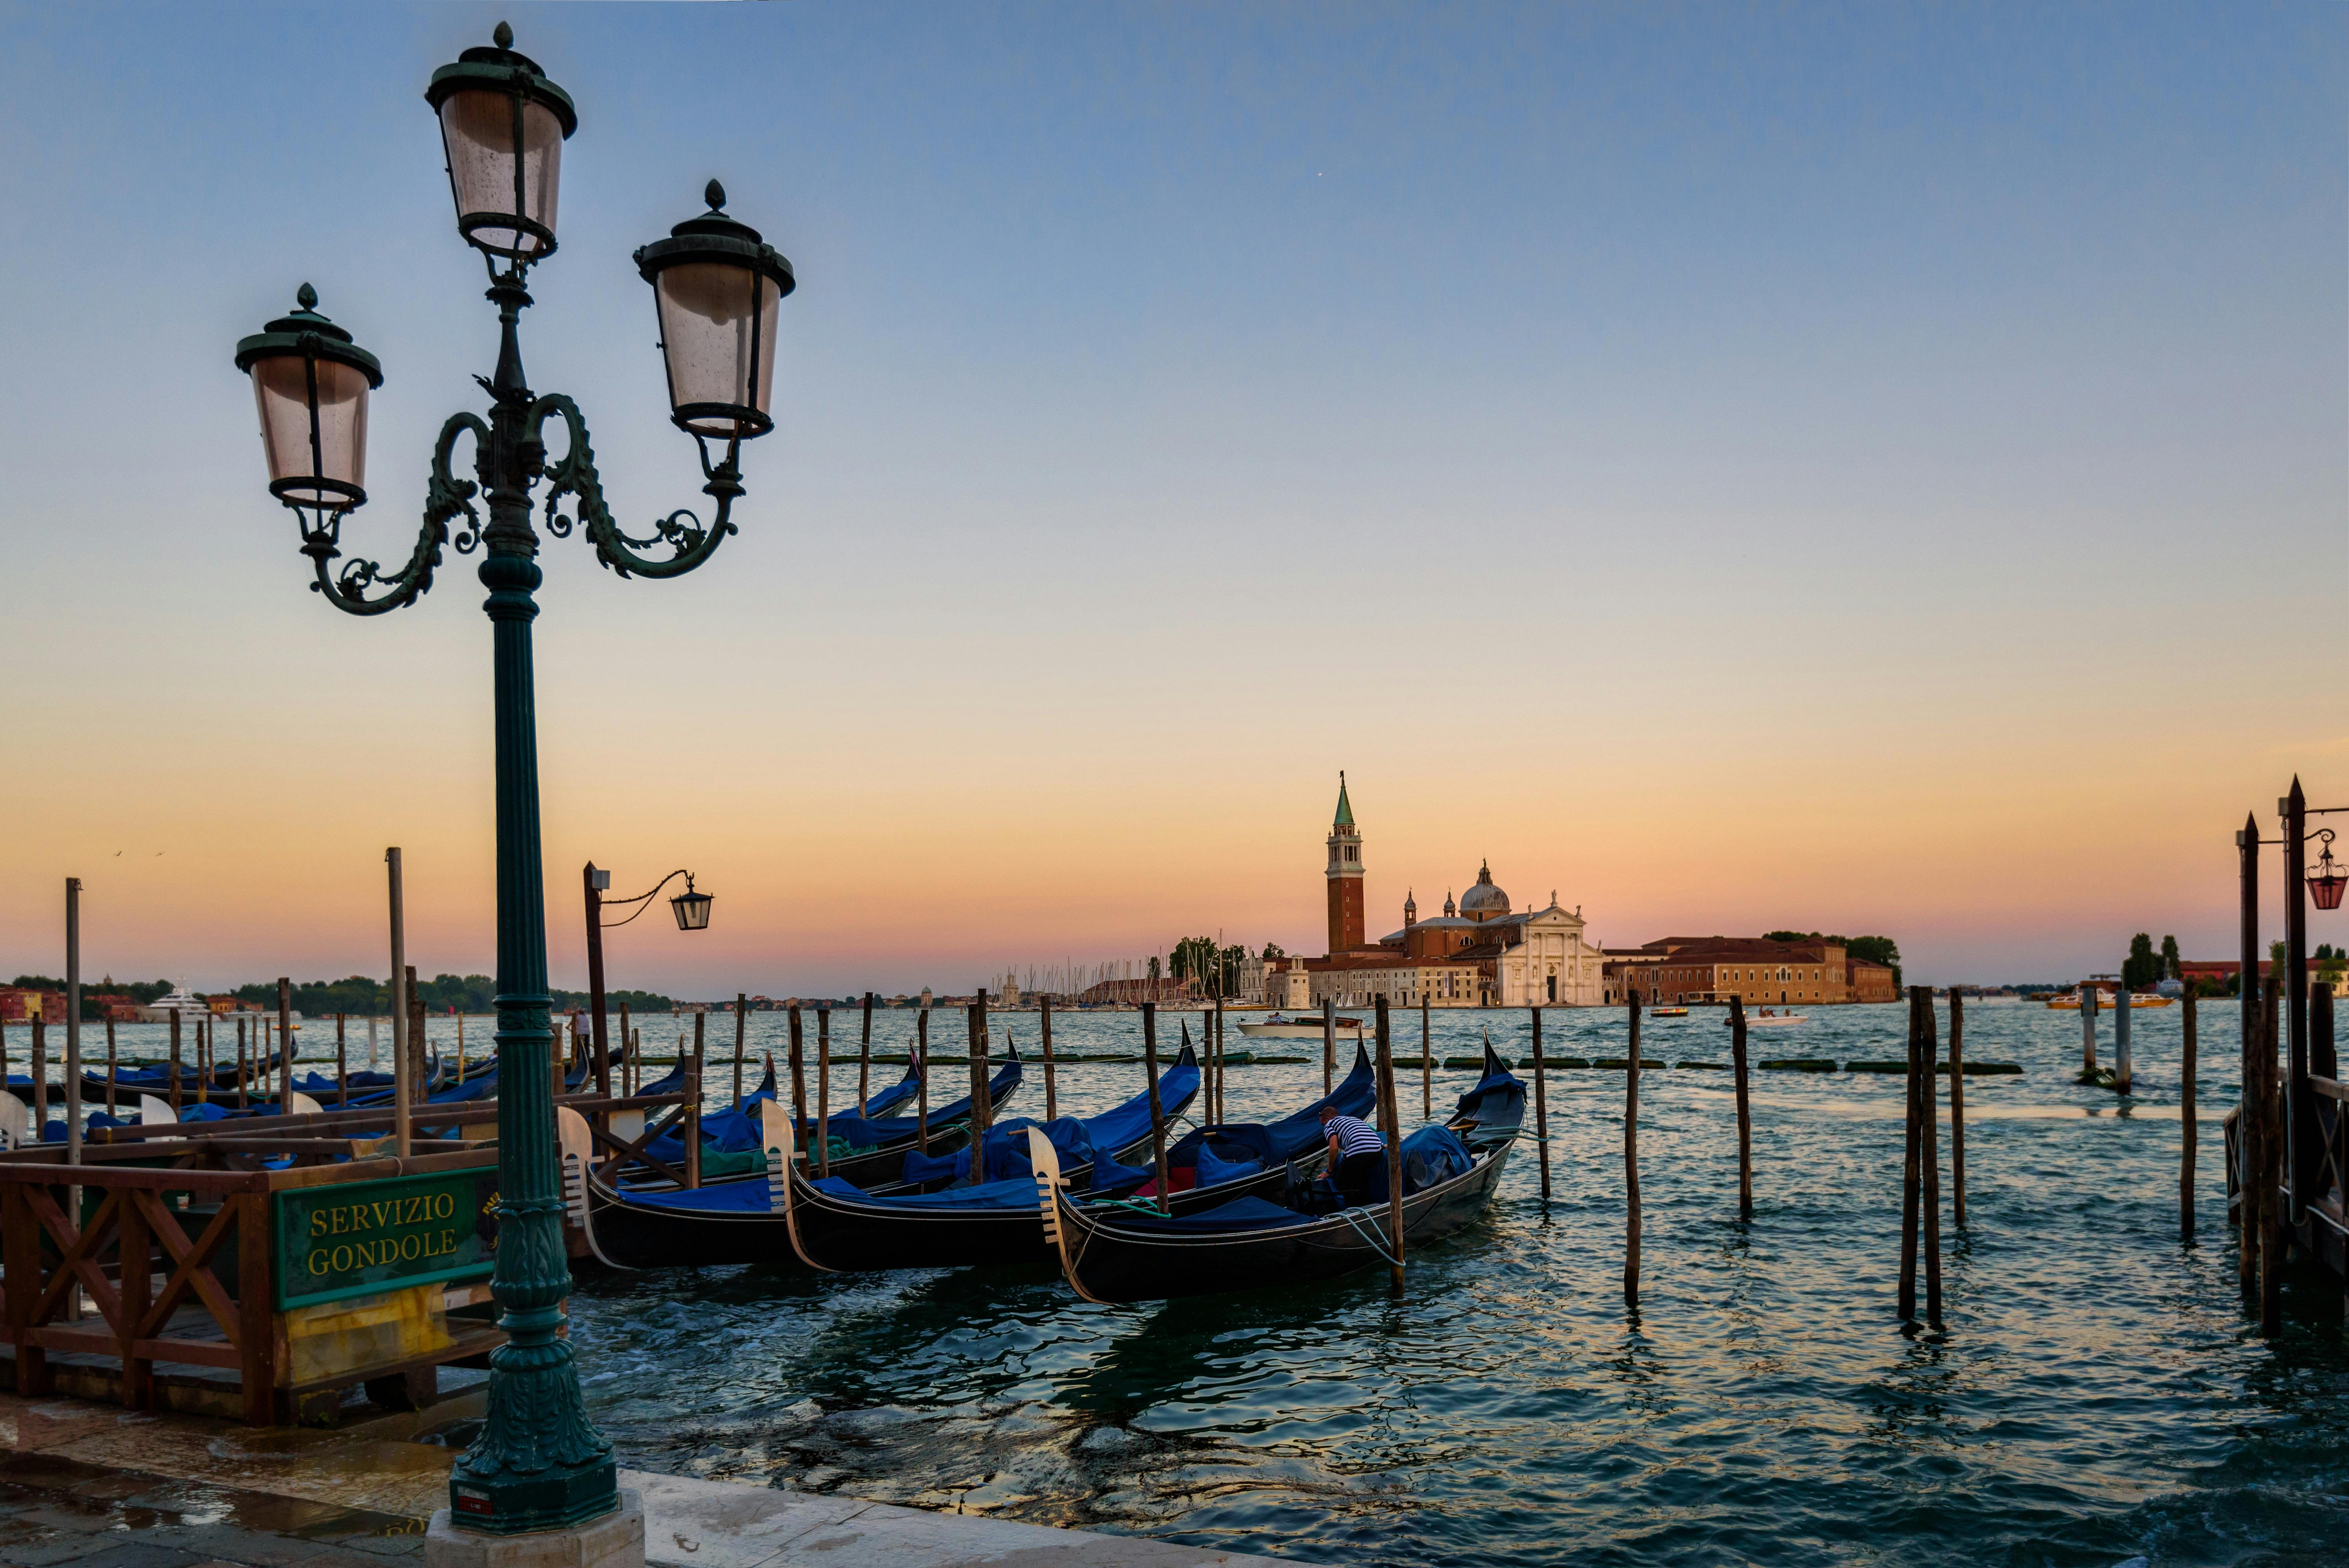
2328 880
311 383
719 291
692 908
502 125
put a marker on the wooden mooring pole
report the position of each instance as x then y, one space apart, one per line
1328 1046
797 1057
1427 1082
1632 1156
1745 1108
1911 1173
2091 997
1957 1109
823 1135
2271 1151
110 1066
982 1101
1219 1060
1541 1098
2187 1131
693 1108
1157 1112
741 1024
1391 1113
1044 1031
342 1064
1930 1148
921 1080
2248 1166
177 1076
864 1058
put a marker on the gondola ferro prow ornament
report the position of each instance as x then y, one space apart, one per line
1045 1161
778 1134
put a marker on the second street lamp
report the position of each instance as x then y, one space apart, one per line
539 1463
692 912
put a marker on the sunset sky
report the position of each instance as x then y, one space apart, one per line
1873 470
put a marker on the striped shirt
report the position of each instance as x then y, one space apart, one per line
1355 1136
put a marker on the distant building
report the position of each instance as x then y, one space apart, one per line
1479 953
1679 970
20 1006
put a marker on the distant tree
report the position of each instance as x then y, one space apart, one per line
1194 958
1793 936
1273 950
2169 959
1153 966
2141 968
2325 950
1228 969
1874 950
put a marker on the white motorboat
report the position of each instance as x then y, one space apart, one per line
1303 1027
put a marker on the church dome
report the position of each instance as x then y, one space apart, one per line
1485 902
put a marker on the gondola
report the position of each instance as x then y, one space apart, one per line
876 1146
156 1078
1253 1242
753 1221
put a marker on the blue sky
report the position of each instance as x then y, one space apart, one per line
1901 448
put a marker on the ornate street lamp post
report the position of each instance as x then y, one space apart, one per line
539 1463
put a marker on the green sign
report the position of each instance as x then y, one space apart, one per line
355 1238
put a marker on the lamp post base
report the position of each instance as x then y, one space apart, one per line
614 1540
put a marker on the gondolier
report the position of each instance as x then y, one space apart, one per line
1357 1153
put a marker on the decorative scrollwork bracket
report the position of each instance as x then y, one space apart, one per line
444 498
690 543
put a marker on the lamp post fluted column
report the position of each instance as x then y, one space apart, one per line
718 287
539 1463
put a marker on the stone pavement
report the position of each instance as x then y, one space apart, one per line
96 1485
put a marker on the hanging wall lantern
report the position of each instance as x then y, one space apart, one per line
692 908
2328 880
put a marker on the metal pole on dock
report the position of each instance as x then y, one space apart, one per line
2185 1129
399 1084
823 1090
1911 1173
864 1058
1631 1156
1745 1108
2246 1118
1051 1098
73 1030
595 881
1541 1097
1157 1112
1329 1045
1957 1109
2303 1151
1928 1050
1391 1113
741 1022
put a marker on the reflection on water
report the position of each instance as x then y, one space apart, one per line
2098 1396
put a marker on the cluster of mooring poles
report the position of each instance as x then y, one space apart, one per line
2288 1137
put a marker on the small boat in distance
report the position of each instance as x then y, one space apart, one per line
1308 1027
1668 1012
1765 1016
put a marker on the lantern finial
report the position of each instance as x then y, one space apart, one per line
502 37
307 297
715 194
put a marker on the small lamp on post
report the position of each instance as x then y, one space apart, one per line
2328 880
692 908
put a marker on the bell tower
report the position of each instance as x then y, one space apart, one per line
1345 877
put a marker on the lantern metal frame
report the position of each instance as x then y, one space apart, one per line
311 337
500 69
717 237
539 1463
2329 881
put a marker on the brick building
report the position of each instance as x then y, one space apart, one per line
18 1005
1679 970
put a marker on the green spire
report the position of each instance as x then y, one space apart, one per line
1345 811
